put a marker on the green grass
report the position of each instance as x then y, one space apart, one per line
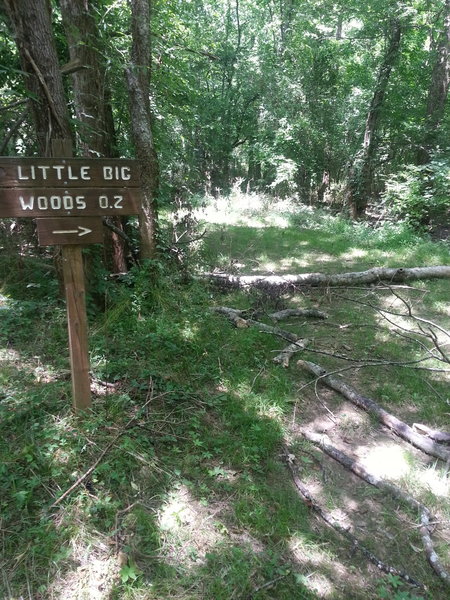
193 501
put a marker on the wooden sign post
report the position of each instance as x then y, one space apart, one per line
69 197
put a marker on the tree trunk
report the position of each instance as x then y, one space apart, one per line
89 85
31 22
361 173
438 92
138 80
96 128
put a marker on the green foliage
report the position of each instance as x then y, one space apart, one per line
194 492
129 573
421 194
395 589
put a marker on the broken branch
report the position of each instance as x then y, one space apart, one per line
105 450
399 427
298 312
297 344
344 531
392 490
438 436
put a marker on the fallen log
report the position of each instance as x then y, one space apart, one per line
289 282
298 312
392 490
344 531
399 427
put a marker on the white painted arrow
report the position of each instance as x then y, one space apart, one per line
80 231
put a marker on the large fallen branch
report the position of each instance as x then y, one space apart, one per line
297 344
438 436
392 490
286 282
399 427
344 531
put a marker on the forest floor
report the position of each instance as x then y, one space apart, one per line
195 499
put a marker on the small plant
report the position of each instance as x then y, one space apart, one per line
129 573
394 589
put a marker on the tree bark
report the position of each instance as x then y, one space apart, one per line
361 173
31 23
138 80
96 139
96 134
438 92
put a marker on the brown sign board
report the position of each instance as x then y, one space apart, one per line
69 202
72 230
68 172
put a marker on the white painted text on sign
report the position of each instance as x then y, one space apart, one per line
65 173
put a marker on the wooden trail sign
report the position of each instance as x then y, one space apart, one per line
69 196
50 187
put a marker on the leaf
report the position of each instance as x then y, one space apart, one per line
129 572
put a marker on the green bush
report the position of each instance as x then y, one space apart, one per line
420 194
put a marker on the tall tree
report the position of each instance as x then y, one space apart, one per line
32 26
138 78
438 90
91 96
361 173
95 125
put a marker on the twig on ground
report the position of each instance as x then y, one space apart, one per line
428 333
297 343
267 585
236 317
104 452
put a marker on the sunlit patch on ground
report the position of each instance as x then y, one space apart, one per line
10 355
188 529
443 307
252 210
93 577
354 253
435 480
311 558
10 358
386 460
290 264
322 574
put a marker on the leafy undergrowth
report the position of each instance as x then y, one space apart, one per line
194 501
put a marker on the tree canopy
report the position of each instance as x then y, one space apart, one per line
324 100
